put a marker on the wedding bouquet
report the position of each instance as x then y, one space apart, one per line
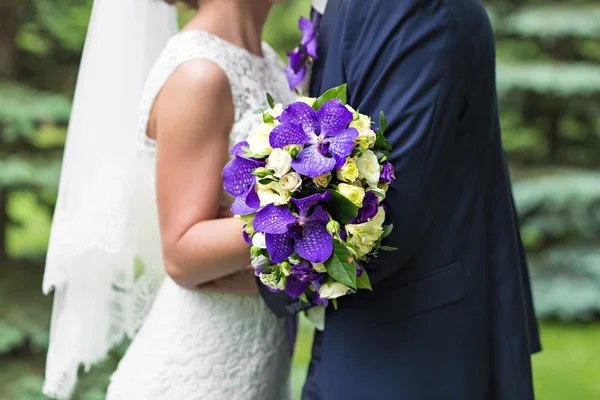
308 185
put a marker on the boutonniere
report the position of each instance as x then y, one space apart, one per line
302 57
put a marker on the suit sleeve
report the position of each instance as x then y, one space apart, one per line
404 58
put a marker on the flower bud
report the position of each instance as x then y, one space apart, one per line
294 149
333 227
261 172
285 268
255 251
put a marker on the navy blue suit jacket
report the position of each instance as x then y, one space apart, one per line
450 316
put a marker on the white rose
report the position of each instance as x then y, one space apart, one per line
276 111
272 193
258 240
258 138
368 167
291 181
279 161
333 290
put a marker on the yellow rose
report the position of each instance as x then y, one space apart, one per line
368 168
355 194
272 193
322 180
348 172
333 290
258 139
308 100
362 237
366 137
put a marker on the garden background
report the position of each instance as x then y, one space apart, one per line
549 86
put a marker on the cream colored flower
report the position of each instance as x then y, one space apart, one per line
322 180
368 168
272 193
319 267
291 181
259 240
308 100
333 290
273 281
275 111
348 172
279 161
366 137
355 194
258 139
363 237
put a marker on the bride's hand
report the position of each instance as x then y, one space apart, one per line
242 282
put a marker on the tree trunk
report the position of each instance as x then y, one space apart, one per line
9 25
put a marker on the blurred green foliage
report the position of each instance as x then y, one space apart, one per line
548 55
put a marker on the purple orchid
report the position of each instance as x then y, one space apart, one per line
239 181
387 174
300 57
306 234
303 275
326 130
370 206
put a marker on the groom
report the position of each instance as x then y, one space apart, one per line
450 316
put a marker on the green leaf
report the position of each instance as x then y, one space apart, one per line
382 121
334 302
339 92
381 141
387 229
270 100
340 265
341 209
363 281
266 181
388 248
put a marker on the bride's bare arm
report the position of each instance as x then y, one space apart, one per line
193 117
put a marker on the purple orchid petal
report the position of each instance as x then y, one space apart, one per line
273 219
318 299
319 215
303 114
295 77
280 247
334 117
246 204
306 203
387 174
311 48
295 59
305 272
247 238
307 28
287 133
237 149
316 244
312 163
295 287
369 209
341 146
237 175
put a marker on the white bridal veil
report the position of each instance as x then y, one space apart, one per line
91 264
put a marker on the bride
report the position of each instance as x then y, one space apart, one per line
133 206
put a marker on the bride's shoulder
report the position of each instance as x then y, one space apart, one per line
270 54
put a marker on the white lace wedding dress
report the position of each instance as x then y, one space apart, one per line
200 345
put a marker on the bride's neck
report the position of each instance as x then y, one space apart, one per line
240 22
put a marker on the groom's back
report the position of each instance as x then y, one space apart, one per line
450 314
